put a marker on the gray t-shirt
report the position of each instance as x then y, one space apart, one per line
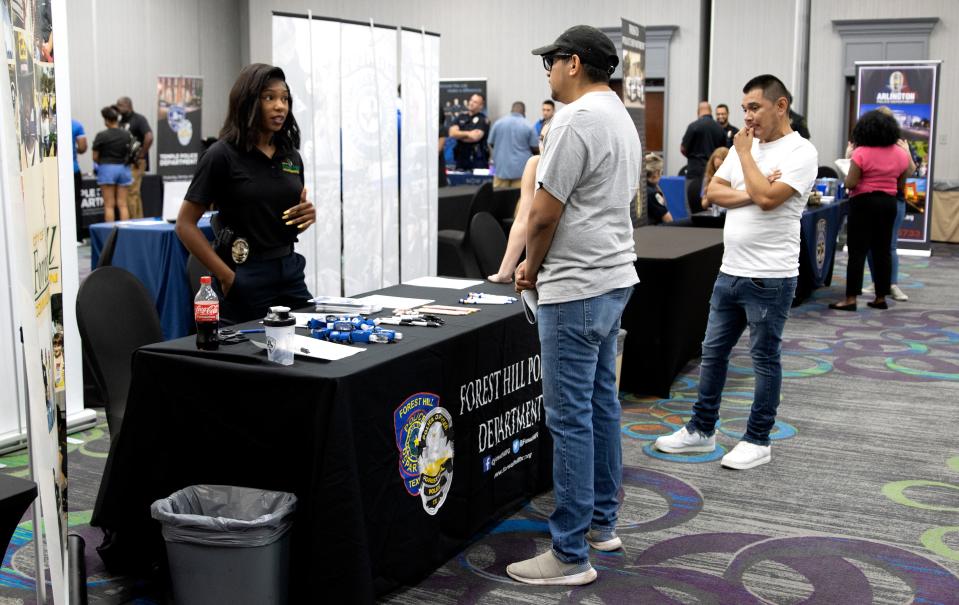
591 163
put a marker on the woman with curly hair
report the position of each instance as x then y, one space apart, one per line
878 169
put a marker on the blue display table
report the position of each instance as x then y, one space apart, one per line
150 249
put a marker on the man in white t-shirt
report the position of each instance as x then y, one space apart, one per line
580 260
763 184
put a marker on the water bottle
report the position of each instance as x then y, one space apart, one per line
206 313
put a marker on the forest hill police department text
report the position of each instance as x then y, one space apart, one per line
478 393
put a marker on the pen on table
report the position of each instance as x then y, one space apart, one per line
252 331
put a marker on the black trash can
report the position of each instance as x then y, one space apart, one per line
227 544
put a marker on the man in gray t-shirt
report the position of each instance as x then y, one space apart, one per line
579 259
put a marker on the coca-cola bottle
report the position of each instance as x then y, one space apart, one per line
206 313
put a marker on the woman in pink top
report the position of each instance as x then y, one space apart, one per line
878 169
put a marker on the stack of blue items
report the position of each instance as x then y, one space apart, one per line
350 330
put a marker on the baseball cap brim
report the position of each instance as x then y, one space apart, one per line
546 50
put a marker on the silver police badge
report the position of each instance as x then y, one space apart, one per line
240 250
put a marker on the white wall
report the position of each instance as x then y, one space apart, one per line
826 96
119 47
735 56
494 42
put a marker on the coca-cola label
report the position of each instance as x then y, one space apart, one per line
206 311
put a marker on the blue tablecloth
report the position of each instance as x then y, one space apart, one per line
819 230
674 187
150 249
467 178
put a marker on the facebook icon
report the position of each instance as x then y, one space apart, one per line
487 463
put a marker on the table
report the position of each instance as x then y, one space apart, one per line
91 200
151 250
819 230
467 178
674 188
16 495
666 317
329 433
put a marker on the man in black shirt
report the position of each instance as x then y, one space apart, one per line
470 131
141 131
702 137
722 118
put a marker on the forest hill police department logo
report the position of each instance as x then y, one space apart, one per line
424 438
820 244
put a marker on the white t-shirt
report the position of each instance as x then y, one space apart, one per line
590 163
765 243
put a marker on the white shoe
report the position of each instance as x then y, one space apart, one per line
747 455
547 570
897 294
682 442
870 289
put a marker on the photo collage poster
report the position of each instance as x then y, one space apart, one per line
28 43
910 91
634 97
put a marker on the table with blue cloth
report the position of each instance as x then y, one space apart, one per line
819 231
467 178
151 250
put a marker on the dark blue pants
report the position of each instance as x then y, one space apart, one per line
261 284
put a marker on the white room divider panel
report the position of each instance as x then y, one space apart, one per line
419 75
314 80
368 124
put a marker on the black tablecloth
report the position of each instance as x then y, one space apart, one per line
16 495
819 231
666 317
329 432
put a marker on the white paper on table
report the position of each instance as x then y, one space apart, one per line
306 346
843 165
394 302
443 282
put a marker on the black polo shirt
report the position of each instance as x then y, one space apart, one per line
138 127
251 191
472 155
702 137
730 131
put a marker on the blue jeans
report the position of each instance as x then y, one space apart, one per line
763 305
894 274
578 351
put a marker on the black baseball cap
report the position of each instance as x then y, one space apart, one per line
593 47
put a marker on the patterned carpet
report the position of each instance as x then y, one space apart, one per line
859 505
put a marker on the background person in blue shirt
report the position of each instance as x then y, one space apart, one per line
513 141
549 108
79 146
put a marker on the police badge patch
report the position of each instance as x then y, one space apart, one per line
407 420
435 459
820 245
240 250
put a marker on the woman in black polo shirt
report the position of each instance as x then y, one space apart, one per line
254 177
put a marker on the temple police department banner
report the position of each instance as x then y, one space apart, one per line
911 90
179 123
28 156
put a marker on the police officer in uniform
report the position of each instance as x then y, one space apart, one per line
471 130
254 176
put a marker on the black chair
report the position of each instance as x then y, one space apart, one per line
827 172
504 207
116 316
454 255
489 242
106 255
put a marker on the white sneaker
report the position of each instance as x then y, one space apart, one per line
870 289
747 455
897 294
682 442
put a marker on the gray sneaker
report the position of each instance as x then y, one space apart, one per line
547 570
897 293
605 540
